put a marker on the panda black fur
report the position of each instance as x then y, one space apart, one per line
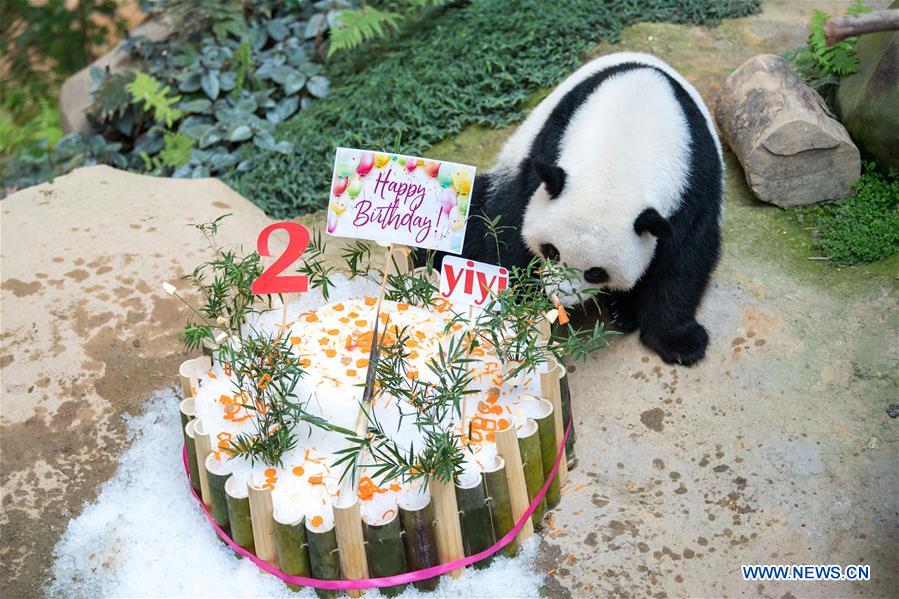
619 173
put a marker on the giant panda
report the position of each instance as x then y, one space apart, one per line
618 173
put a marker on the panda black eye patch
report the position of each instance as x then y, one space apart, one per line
549 251
596 275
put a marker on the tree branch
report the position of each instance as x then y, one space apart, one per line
839 28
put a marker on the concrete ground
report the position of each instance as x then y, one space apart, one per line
775 449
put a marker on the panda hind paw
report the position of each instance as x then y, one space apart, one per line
683 344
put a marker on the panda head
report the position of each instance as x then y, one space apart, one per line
606 231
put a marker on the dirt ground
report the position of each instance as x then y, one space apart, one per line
775 449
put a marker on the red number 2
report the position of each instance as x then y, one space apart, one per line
269 282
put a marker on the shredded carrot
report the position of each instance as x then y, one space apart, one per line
338 307
394 487
388 514
311 317
315 479
333 332
330 352
361 323
350 372
402 307
296 340
491 436
361 363
212 375
344 320
370 301
503 424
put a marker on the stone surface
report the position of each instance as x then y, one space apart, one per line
792 149
75 94
86 333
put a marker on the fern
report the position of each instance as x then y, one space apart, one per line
155 97
176 151
356 26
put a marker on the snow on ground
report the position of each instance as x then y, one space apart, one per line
145 536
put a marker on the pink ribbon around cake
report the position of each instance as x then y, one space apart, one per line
397 579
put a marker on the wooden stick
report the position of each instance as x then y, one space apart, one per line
839 28
204 448
323 557
217 474
290 545
507 448
348 523
385 553
497 485
546 428
474 516
263 522
550 389
532 466
565 391
446 524
192 464
421 543
239 514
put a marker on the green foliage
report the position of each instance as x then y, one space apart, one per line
863 227
472 64
155 97
35 135
175 152
361 25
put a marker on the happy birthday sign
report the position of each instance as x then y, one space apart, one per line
400 199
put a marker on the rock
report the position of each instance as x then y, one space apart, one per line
868 101
83 259
75 93
793 151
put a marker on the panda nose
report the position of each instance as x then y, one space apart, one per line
596 275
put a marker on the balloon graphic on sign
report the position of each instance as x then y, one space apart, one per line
431 167
354 188
447 200
366 162
339 185
337 207
381 160
445 175
411 165
462 182
346 163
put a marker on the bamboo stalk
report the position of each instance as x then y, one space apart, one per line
474 516
507 447
290 545
546 428
323 557
500 504
217 474
239 514
348 523
188 410
446 523
263 522
398 260
565 392
532 465
204 446
385 553
192 464
187 374
421 542
551 390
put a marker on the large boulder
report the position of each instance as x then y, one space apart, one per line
868 101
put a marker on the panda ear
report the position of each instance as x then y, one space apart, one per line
650 221
553 176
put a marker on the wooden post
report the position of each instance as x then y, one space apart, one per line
421 544
552 392
385 553
447 526
549 446
474 516
239 514
497 485
348 523
263 522
507 448
204 447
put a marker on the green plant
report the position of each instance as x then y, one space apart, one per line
155 97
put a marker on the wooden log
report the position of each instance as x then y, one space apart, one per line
239 514
474 517
507 448
385 552
192 464
551 390
323 556
549 446
447 527
500 504
793 151
263 521
204 447
839 28
565 392
532 465
417 518
348 523
217 473
290 545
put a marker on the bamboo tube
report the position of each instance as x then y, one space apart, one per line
507 447
421 543
398 261
187 373
239 514
474 516
290 545
532 465
497 486
446 523
348 523
204 446
385 553
263 522
323 557
190 443
188 410
550 389
546 428
565 392
433 276
217 474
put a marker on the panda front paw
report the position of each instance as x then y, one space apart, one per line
683 344
622 315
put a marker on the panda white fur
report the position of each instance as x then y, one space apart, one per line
618 173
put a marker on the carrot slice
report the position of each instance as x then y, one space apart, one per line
330 352
370 301
361 363
337 307
270 472
316 521
298 470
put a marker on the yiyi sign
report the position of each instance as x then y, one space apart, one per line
400 199
470 282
